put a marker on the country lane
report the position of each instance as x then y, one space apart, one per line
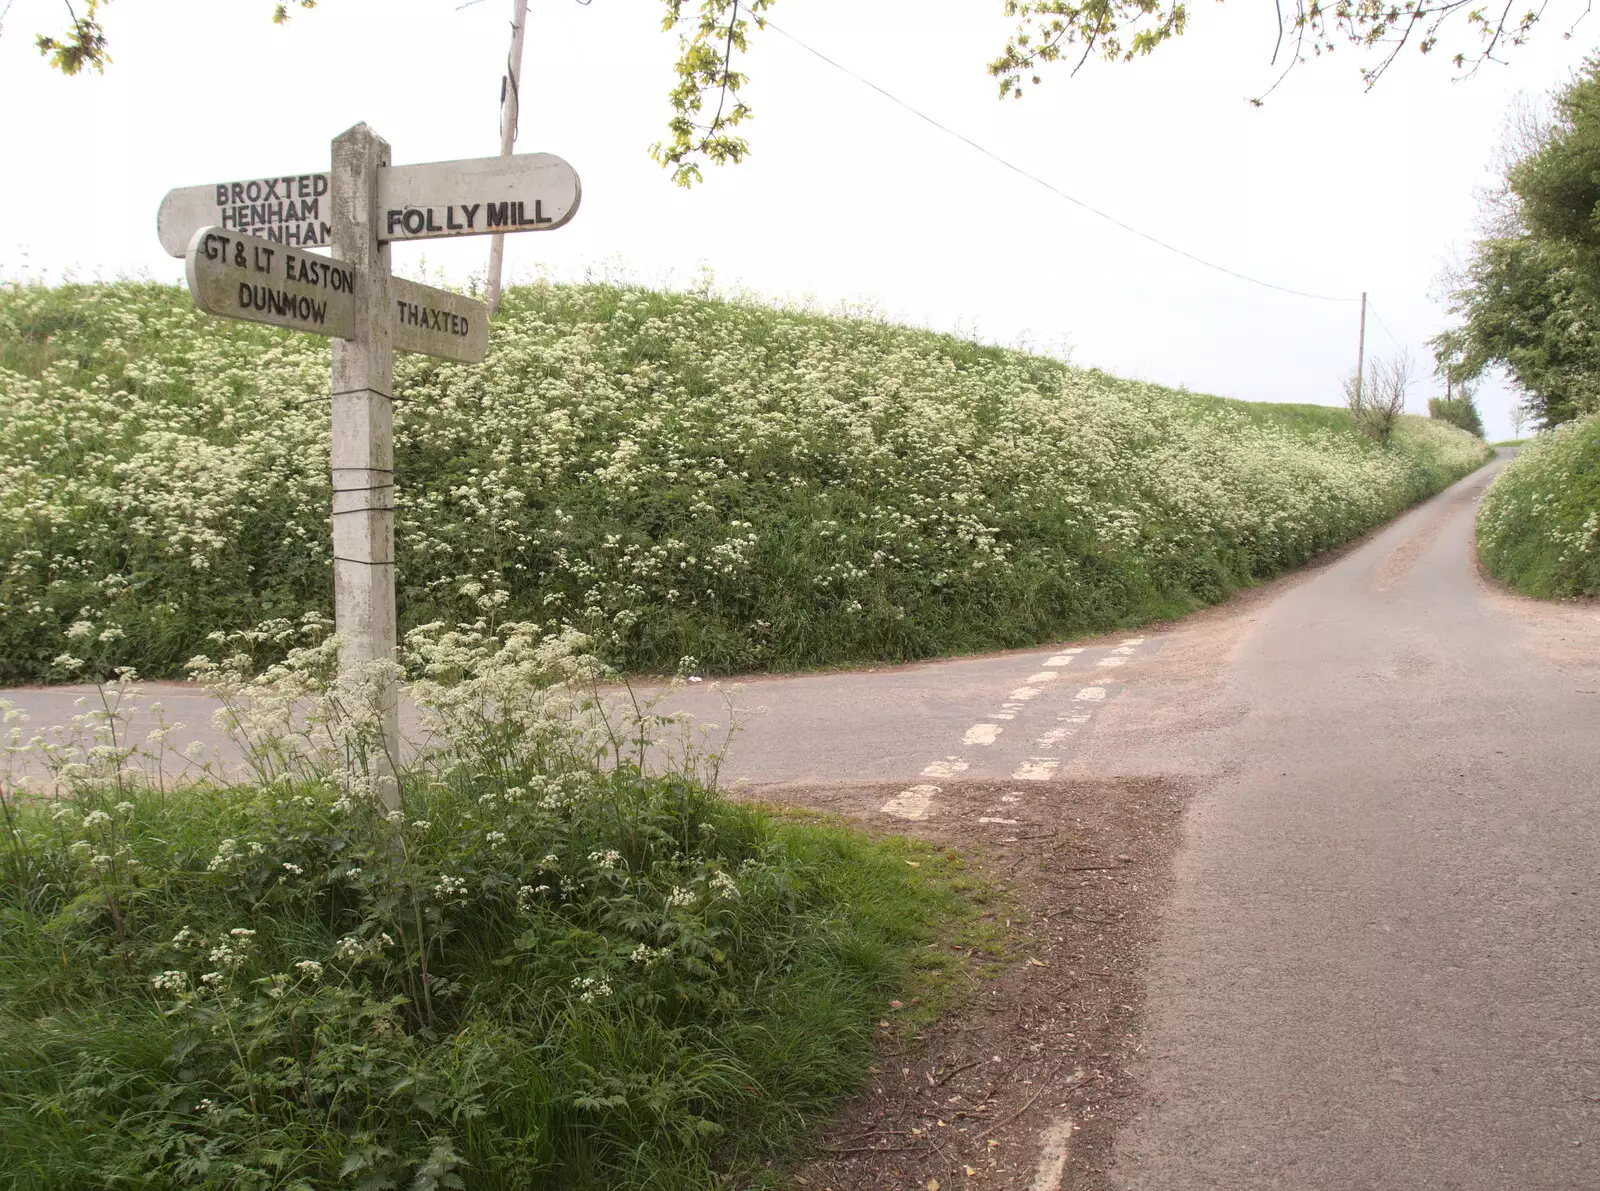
1378 967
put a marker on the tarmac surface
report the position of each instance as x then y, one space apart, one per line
1379 966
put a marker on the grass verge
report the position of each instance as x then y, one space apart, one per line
246 988
1539 523
550 969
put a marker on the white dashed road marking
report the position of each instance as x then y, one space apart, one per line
1053 1146
1037 769
915 803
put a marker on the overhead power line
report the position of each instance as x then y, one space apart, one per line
1051 187
1386 330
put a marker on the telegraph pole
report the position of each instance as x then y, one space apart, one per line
510 103
1361 348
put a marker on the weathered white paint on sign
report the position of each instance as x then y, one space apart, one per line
263 281
436 322
291 209
474 197
481 196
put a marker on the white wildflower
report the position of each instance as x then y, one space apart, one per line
353 949
592 988
649 957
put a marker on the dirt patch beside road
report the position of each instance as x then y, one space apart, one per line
1029 1077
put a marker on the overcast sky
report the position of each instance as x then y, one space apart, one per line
846 198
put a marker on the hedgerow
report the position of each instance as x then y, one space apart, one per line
1539 523
748 487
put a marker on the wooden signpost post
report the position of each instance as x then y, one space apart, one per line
245 245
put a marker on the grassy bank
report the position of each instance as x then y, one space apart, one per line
550 971
1539 523
745 487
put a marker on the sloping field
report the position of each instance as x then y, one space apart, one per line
1539 524
745 487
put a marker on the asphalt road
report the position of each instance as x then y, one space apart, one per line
1380 965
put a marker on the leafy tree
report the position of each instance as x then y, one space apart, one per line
1458 411
707 109
83 45
1528 298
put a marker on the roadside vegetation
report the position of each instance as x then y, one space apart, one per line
1461 411
1539 523
693 483
1527 297
1527 300
552 969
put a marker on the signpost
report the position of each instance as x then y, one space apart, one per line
261 281
477 197
291 209
245 245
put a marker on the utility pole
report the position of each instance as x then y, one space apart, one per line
1361 349
510 103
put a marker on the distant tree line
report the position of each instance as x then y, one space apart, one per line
1527 299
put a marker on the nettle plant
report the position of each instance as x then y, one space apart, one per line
541 968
